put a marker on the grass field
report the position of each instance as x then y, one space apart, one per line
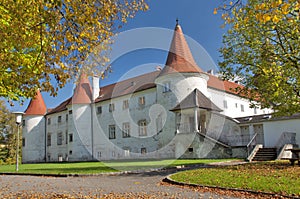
99 167
275 177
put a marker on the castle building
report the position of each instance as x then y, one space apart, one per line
179 111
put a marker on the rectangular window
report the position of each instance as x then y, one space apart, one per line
166 87
99 109
71 137
142 101
70 112
225 104
142 128
49 139
111 107
236 105
49 121
67 117
59 138
59 119
112 131
126 129
242 108
23 123
23 142
125 104
143 150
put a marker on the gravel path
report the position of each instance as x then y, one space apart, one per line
146 185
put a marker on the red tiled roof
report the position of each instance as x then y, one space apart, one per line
140 83
216 83
180 58
37 105
83 91
61 107
128 86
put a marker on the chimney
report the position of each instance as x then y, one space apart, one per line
96 88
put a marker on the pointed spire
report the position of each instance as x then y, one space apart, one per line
180 58
37 105
83 91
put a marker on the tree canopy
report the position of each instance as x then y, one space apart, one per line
8 141
262 50
43 40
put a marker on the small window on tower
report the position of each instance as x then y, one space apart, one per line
142 101
167 87
99 109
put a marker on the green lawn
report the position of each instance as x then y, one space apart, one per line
99 167
275 177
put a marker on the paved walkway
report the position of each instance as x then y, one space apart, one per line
143 185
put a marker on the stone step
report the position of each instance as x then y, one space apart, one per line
265 154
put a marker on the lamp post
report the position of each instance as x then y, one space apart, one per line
18 116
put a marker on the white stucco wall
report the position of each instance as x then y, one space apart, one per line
33 133
234 104
53 128
274 129
132 115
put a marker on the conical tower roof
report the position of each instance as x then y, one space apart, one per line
180 58
37 105
83 91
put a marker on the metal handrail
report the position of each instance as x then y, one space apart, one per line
252 139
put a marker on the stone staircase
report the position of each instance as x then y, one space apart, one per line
265 154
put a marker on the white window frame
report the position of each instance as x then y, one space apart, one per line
59 138
112 131
126 129
142 128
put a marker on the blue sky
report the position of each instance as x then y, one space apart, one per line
197 21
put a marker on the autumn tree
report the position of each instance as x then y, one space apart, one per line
8 136
262 50
44 40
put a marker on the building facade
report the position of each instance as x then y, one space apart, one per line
179 111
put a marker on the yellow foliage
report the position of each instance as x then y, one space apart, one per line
38 35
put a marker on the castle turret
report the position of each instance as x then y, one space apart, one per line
81 124
34 130
181 74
